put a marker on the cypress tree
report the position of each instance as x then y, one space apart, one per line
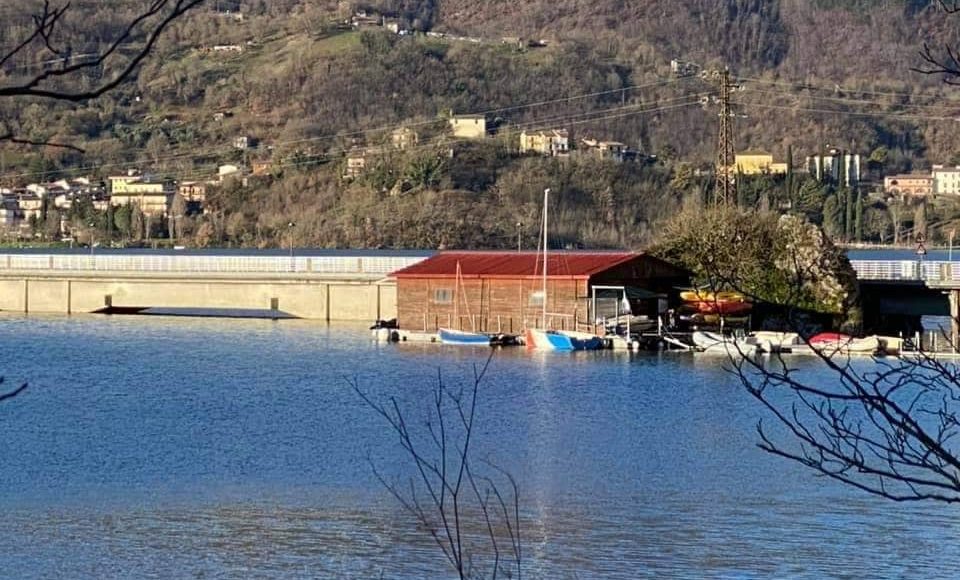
850 227
789 180
110 220
858 218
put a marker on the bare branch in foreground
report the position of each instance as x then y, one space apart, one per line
152 22
13 393
465 512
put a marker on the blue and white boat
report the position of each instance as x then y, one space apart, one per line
561 341
557 340
463 337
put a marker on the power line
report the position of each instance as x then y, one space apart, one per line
226 148
850 101
911 117
442 140
835 88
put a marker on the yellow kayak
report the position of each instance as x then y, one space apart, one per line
708 296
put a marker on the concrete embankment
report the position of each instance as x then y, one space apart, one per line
340 297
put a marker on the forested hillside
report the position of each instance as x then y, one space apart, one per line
309 90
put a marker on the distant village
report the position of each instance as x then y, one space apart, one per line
161 199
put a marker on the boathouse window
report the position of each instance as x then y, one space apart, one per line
442 296
536 298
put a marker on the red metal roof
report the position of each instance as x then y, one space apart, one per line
515 264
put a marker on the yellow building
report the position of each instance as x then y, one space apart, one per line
555 142
469 126
757 163
193 191
150 203
135 184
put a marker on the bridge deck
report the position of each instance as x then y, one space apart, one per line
931 273
238 266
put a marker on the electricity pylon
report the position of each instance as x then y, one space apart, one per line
724 191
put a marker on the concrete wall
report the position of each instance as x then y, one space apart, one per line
347 300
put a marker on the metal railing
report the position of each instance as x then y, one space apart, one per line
907 270
372 265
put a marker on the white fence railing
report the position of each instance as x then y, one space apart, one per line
907 270
373 265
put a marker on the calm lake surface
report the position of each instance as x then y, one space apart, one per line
172 448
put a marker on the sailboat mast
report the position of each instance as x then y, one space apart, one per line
546 199
456 299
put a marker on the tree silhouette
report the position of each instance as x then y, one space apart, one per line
124 52
453 496
11 394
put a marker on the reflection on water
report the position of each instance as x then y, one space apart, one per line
153 447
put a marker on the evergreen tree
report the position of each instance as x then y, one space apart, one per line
858 218
788 183
810 199
832 216
851 211
110 221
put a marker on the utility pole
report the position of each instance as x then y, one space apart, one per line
725 191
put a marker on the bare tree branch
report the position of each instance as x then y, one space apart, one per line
13 393
167 10
11 138
447 495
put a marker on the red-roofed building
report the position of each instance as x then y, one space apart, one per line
503 291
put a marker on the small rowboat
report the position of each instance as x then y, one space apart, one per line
463 338
830 343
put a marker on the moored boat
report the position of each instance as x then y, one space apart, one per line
543 338
463 338
539 339
831 343
715 343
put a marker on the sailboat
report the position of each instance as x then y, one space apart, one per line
461 337
545 339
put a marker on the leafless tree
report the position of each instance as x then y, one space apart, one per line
887 426
460 505
123 54
943 61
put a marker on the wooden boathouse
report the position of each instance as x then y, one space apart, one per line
494 291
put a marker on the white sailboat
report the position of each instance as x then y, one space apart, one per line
543 338
456 335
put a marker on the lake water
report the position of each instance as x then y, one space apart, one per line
171 448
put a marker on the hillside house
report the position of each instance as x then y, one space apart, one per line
364 19
31 206
151 203
612 150
503 291
554 142
137 184
840 167
356 164
260 168
946 180
469 126
227 171
758 163
404 138
193 191
909 185
244 142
